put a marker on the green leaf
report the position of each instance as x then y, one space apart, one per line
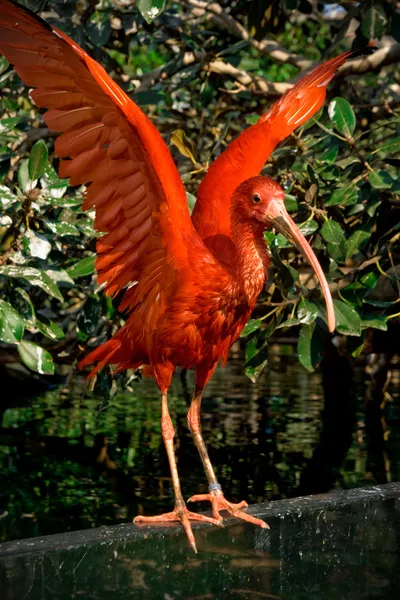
310 346
250 327
348 320
62 229
374 322
50 329
380 180
89 318
150 9
391 147
26 184
355 241
307 312
345 196
191 199
11 324
6 197
256 357
29 311
83 267
37 160
98 28
52 184
34 277
36 358
291 203
332 232
342 116
374 23
36 245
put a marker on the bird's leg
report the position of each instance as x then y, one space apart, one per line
180 512
215 495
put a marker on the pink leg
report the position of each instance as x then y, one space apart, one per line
215 495
180 512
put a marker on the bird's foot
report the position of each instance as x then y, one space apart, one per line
182 514
219 502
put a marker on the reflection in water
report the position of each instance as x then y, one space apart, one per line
74 460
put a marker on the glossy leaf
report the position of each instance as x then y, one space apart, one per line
26 184
356 241
34 277
374 22
348 320
150 9
380 180
37 160
11 324
310 346
36 358
98 28
332 232
36 245
342 116
345 196
391 147
250 327
7 198
256 357
84 267
50 329
307 311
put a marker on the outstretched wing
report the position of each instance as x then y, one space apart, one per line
135 187
247 154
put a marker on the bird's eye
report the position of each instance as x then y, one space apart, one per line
256 198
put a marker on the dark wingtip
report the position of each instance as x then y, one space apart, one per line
366 51
32 14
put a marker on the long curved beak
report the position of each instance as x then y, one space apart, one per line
279 218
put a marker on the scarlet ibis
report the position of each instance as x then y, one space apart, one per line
190 283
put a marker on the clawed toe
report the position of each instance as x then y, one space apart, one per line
219 502
184 516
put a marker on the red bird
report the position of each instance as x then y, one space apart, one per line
190 283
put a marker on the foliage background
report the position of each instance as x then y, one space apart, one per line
203 72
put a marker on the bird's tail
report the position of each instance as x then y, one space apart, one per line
117 351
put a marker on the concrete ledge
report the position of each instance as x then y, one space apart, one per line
341 545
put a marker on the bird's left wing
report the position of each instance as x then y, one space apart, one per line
247 154
106 142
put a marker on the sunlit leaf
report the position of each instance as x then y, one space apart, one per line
26 184
150 9
11 324
98 28
82 268
36 244
250 327
183 143
374 22
342 116
36 358
34 277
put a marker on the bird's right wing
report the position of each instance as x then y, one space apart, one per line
109 143
247 154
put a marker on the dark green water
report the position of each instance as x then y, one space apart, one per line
74 460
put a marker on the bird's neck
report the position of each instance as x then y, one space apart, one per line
252 256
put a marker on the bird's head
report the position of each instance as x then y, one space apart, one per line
260 200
